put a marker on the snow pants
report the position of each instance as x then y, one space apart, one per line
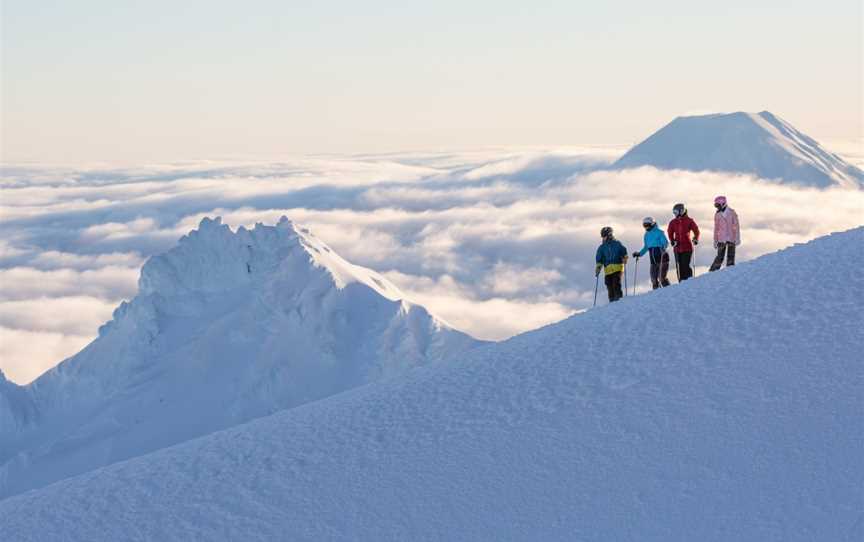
724 250
684 270
613 286
659 267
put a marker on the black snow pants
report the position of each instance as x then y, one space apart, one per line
659 267
684 270
613 286
724 250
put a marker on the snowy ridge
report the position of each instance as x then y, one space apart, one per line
227 326
725 408
759 144
219 266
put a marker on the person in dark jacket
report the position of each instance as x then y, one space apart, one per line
612 256
679 231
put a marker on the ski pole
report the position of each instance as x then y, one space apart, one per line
635 276
596 285
693 260
677 265
625 279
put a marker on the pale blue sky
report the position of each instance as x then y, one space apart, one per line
160 80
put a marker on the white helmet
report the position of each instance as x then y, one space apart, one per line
649 222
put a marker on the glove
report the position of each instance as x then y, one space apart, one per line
597 270
635 254
695 241
716 244
674 243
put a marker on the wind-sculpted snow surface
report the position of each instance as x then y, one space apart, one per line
228 326
759 144
725 408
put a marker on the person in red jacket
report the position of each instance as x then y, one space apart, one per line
679 235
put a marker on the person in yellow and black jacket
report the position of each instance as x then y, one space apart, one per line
612 256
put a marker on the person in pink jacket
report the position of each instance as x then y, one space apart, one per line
727 233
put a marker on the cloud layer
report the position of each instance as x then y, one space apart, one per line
494 241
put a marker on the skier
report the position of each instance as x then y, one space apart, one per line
612 255
679 236
655 246
727 233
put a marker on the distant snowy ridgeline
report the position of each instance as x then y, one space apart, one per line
728 407
227 326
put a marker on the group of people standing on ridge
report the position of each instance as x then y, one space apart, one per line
612 255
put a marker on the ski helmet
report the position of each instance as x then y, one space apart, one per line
649 222
720 202
606 231
679 209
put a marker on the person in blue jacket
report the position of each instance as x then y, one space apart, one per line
612 256
655 246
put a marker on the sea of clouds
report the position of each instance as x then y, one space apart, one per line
495 241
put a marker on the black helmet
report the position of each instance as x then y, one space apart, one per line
606 231
679 209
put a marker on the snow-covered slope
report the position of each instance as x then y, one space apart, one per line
759 144
227 326
730 407
16 409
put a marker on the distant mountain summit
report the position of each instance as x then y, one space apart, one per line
227 326
759 144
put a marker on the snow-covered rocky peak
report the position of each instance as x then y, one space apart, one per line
214 258
227 326
759 144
